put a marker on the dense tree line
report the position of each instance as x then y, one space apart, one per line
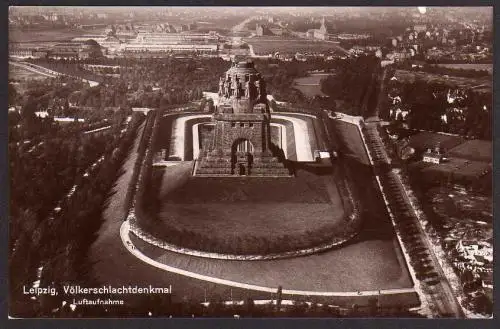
58 241
163 82
141 151
46 160
156 82
355 83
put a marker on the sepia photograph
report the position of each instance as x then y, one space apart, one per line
250 162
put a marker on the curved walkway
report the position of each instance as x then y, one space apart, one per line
124 234
179 133
283 142
302 142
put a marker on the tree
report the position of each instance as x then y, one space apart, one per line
12 94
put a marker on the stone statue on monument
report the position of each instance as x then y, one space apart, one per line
227 88
221 86
247 89
257 85
237 92
262 88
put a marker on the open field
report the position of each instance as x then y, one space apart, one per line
460 168
476 150
48 36
310 91
482 84
426 139
310 85
267 45
262 207
466 66
230 221
18 73
305 188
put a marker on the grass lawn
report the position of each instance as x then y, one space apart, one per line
460 168
426 139
237 210
365 265
476 150
19 73
263 220
47 35
310 86
305 188
350 141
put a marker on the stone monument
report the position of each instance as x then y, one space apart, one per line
240 144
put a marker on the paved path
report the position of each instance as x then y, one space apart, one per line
124 234
283 142
301 134
179 133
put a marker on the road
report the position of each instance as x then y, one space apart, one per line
405 216
391 185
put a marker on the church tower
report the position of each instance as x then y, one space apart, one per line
241 139
323 26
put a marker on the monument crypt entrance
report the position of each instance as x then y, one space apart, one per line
242 157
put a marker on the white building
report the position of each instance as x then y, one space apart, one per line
433 157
